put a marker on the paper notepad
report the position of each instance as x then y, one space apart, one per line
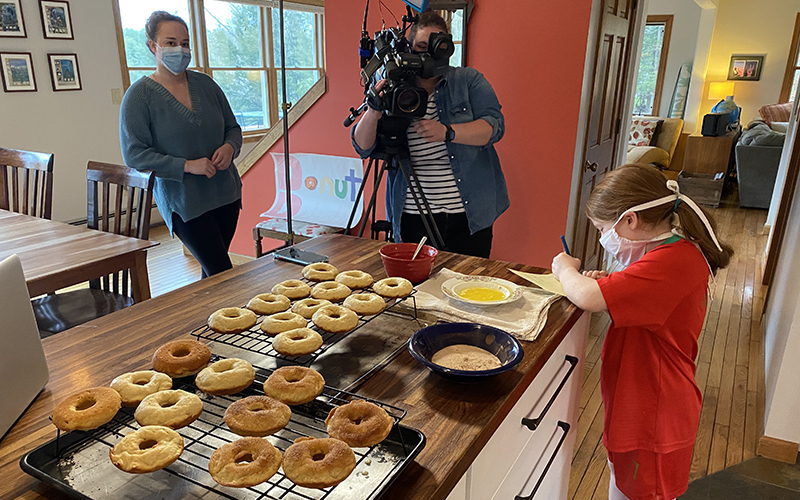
544 281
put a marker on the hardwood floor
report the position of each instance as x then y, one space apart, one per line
168 267
729 366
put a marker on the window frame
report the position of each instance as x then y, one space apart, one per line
665 20
268 65
792 65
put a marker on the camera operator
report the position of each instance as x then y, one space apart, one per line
452 154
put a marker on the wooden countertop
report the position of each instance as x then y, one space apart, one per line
456 419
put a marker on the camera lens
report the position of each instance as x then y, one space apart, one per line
408 100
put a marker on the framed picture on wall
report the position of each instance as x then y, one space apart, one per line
64 72
56 19
11 22
17 72
745 67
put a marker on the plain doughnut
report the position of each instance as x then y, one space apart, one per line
226 376
181 358
133 387
87 409
173 409
148 449
294 385
231 320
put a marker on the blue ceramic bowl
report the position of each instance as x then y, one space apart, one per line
423 344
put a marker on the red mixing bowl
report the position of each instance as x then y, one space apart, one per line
397 261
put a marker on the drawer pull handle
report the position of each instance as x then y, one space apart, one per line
564 427
533 423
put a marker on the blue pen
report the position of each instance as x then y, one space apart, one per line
564 244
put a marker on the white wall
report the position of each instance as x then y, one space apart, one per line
76 126
682 44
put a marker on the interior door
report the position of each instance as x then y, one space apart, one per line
605 121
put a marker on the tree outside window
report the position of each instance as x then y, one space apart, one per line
652 64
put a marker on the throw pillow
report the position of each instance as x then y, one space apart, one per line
776 112
642 131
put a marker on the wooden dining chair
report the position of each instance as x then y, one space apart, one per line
120 200
27 182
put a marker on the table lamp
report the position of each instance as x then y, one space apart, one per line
723 93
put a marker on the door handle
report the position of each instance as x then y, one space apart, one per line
533 423
565 428
591 166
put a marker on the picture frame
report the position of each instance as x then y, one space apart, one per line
12 24
745 67
56 19
64 72
16 70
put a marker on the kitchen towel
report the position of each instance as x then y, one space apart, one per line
524 318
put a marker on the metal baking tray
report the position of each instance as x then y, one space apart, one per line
78 463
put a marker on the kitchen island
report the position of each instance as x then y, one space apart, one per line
473 451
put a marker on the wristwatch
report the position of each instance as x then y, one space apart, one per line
450 135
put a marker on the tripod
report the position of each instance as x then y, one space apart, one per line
392 151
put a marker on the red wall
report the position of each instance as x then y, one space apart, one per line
533 54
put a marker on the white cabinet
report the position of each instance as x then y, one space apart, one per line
515 458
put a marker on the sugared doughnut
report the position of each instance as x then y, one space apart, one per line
320 271
133 387
355 279
365 303
335 319
181 358
297 342
226 376
282 322
294 289
257 416
359 423
393 287
269 303
294 385
245 462
330 290
173 409
87 409
148 449
318 463
307 307
231 320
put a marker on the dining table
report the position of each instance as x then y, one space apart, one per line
456 419
56 255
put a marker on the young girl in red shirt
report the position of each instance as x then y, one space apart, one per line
657 304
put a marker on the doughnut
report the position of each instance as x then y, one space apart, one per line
359 423
257 416
335 319
181 358
231 320
148 449
226 376
268 303
330 290
282 322
294 289
318 463
297 342
320 271
365 303
307 307
294 385
173 409
87 409
133 387
356 280
393 287
245 462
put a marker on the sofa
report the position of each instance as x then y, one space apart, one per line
662 145
758 155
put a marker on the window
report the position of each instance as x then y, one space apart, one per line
792 76
237 44
652 65
455 20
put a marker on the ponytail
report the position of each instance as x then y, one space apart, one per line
695 231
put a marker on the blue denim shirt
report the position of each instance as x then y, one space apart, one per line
463 95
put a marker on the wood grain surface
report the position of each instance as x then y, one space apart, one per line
55 255
456 419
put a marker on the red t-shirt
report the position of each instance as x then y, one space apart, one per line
657 306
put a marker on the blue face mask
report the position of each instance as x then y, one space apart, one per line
175 59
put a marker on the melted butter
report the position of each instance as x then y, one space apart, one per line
481 294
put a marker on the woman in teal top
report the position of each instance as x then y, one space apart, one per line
179 124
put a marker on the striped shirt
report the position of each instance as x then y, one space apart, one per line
432 168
